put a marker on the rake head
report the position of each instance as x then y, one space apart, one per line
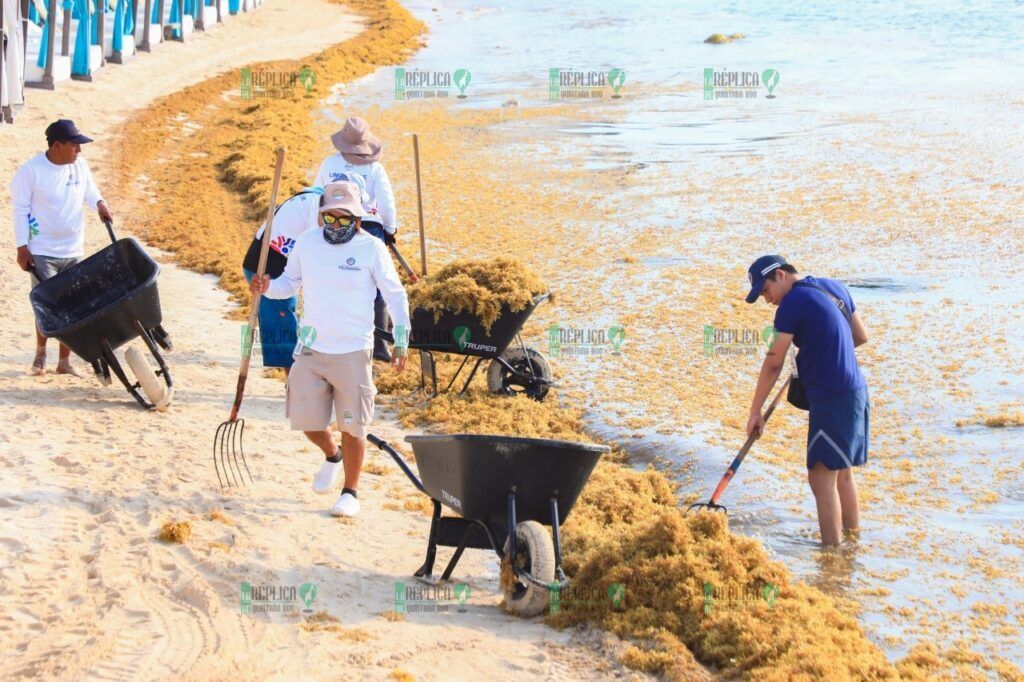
710 506
227 447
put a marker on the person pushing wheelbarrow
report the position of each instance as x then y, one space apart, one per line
339 268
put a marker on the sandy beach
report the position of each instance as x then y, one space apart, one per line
87 478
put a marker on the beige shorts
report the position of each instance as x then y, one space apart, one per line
319 382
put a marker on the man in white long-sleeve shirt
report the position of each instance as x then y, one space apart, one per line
339 269
359 153
47 193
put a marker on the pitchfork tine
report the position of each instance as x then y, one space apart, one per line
241 451
224 447
217 439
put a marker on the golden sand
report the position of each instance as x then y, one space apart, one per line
480 287
215 187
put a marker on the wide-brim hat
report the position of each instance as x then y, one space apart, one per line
356 143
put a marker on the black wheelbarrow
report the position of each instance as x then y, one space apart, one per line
102 303
515 369
497 484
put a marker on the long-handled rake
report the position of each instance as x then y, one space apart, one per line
227 442
731 471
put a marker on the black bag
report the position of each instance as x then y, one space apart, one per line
797 394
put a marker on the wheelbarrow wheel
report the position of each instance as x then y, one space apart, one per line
151 385
529 362
535 552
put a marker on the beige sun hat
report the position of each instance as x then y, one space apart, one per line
356 143
342 196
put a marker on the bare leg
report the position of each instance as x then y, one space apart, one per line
39 363
64 361
353 450
848 499
324 441
826 495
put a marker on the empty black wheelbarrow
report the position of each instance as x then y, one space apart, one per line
497 484
102 303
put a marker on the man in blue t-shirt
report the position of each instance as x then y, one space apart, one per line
819 317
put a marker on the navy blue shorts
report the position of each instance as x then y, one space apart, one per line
837 435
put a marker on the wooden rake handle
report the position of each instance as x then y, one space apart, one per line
243 371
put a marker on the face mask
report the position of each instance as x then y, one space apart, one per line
339 233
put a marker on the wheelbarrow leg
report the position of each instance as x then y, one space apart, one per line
428 368
465 387
457 373
556 535
427 568
458 552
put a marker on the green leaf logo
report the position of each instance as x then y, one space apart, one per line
616 591
462 336
616 334
616 77
770 78
307 335
462 79
307 592
307 77
462 594
771 593
768 335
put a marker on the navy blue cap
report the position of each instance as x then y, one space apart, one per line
757 273
65 130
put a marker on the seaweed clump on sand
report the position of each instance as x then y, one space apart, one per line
685 582
176 531
479 287
721 38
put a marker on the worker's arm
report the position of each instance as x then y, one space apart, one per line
771 368
285 286
860 334
385 198
386 278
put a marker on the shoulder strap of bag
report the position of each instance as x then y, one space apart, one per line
839 302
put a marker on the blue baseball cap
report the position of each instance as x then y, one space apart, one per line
65 130
757 273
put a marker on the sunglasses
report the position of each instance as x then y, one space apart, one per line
343 221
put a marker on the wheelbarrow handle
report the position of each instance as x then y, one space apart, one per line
383 334
110 230
398 460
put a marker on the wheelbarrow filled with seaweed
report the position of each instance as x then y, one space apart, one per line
477 309
504 491
102 303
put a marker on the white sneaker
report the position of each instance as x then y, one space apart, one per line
347 505
326 477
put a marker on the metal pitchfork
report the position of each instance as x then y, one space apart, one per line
227 442
712 504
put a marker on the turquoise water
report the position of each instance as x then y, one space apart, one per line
927 91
